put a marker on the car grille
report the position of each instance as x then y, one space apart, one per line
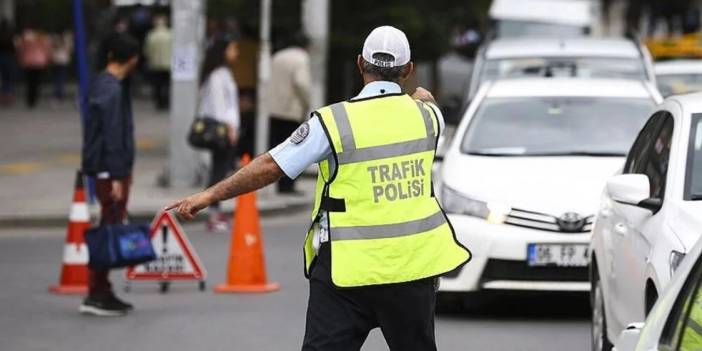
521 271
542 221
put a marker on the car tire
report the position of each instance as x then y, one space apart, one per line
600 341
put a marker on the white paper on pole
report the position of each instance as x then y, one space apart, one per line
184 65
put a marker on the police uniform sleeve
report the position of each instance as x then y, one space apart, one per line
307 145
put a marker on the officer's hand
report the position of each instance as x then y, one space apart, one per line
187 208
424 95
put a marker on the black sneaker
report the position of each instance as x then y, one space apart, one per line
102 306
126 305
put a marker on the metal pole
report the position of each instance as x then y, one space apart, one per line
187 17
264 73
81 57
315 20
83 76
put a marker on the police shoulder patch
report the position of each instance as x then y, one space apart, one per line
300 133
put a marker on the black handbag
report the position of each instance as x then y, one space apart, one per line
119 245
209 134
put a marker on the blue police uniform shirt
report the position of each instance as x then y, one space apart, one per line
302 149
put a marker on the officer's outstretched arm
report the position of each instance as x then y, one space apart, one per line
260 172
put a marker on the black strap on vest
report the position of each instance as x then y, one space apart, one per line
331 204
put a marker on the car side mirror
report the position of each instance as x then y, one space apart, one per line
629 337
634 190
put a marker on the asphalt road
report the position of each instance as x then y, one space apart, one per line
187 319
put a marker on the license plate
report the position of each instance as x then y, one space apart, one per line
560 255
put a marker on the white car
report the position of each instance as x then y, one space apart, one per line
650 216
558 57
679 77
675 322
520 181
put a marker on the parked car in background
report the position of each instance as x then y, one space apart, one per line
553 18
649 218
679 77
561 57
521 179
675 322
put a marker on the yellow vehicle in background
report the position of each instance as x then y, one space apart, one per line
684 46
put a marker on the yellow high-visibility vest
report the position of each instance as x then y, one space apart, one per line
385 225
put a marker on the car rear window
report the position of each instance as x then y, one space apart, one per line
593 67
673 84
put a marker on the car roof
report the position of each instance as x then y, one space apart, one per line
568 87
561 47
690 103
678 67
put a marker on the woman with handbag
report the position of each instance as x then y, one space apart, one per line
219 101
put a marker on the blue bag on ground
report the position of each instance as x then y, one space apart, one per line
119 245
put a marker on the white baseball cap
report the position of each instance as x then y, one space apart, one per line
387 40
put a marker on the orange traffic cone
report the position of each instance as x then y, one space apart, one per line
74 274
246 271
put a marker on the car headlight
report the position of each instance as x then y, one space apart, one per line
675 258
455 202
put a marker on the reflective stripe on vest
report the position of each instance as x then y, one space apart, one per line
390 230
351 154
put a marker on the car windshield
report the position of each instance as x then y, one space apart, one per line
553 126
694 168
673 84
593 67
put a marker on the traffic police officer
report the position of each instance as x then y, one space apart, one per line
378 237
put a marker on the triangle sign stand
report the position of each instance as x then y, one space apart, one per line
176 259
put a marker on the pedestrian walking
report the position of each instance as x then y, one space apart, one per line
7 62
219 99
108 155
61 49
289 95
157 50
33 49
378 238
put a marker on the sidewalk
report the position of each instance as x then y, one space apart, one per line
41 151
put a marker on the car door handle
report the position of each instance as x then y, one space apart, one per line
621 228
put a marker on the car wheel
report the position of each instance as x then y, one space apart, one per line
600 342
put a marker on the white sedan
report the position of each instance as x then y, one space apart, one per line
650 217
520 180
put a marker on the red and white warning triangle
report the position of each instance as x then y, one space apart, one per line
176 258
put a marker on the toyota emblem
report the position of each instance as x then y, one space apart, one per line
571 222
